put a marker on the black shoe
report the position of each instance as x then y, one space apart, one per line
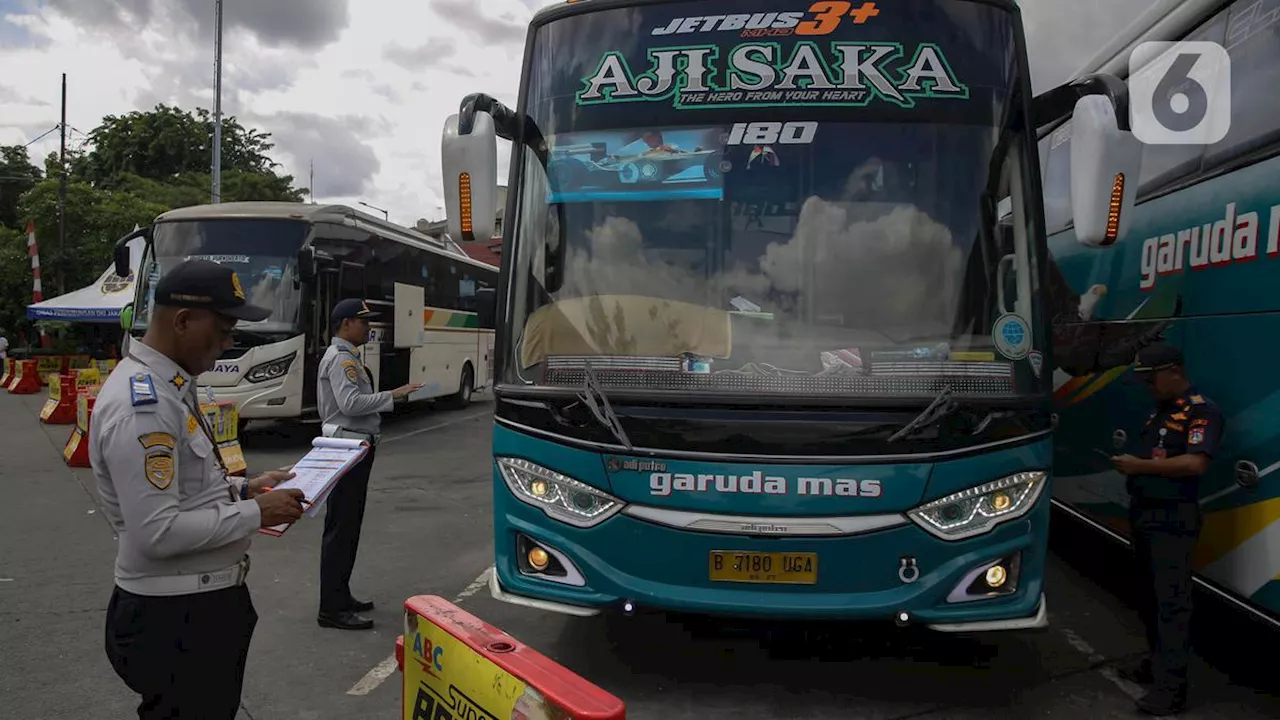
1162 702
345 620
359 605
1138 673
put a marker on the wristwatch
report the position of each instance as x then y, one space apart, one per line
244 489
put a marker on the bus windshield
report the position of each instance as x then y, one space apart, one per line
262 252
795 202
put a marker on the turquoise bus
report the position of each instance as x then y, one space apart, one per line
1196 268
765 347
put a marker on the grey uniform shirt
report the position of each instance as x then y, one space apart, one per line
162 488
344 390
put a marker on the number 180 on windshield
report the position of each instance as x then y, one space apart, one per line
772 133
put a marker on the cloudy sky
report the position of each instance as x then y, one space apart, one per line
360 89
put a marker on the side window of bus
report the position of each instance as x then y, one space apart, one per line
1252 39
1057 180
1163 165
466 290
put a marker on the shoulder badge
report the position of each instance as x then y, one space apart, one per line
1197 399
142 390
350 369
158 465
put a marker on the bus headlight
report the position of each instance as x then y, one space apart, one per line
270 370
559 496
979 509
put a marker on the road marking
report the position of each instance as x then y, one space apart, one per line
1106 671
437 426
384 669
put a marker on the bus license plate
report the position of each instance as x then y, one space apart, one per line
757 567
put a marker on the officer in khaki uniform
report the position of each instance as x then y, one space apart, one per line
180 618
1178 441
349 408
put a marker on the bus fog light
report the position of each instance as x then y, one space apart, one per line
996 576
991 579
538 558
542 561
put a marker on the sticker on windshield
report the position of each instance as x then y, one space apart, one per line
822 18
1011 336
1036 360
220 259
772 133
850 74
636 165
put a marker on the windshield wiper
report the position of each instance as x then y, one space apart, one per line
942 406
601 409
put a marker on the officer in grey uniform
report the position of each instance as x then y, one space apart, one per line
349 408
180 618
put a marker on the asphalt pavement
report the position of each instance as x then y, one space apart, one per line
428 530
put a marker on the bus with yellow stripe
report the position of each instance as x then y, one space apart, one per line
1197 268
299 260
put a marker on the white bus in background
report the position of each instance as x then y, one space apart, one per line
299 260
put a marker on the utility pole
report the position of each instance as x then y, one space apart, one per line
217 104
311 183
62 194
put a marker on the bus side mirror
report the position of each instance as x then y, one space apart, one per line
121 252
469 156
486 307
307 263
126 317
1105 161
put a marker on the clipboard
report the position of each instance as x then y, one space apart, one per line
318 472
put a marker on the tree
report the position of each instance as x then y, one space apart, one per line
17 176
165 143
137 166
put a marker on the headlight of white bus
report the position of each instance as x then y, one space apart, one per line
979 509
559 496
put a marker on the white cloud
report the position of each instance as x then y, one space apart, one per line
360 89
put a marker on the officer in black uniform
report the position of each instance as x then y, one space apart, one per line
1177 443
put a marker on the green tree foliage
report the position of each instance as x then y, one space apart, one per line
17 176
136 166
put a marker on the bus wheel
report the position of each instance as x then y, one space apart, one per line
462 398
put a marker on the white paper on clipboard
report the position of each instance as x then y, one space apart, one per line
319 471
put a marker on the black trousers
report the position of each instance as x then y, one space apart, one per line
342 521
1164 538
184 654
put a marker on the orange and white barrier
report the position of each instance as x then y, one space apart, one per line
60 408
456 666
26 381
76 451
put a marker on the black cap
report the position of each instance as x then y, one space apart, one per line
351 308
1157 357
209 286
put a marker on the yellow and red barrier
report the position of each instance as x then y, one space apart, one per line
27 380
456 666
60 408
6 372
76 451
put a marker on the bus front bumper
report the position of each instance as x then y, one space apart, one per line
627 564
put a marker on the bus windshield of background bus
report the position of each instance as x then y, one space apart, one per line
793 195
263 254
